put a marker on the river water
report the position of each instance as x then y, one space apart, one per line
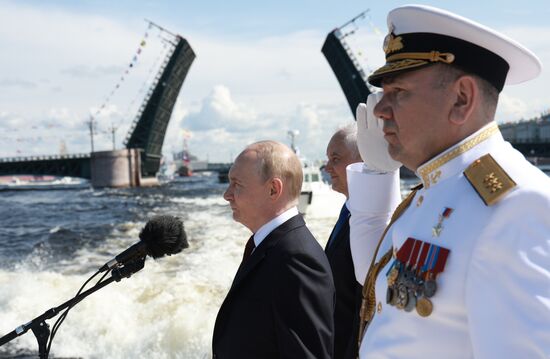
52 241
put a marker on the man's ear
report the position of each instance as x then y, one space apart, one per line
275 188
465 98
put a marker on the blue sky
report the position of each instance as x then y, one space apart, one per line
260 18
258 73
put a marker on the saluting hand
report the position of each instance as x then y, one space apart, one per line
370 138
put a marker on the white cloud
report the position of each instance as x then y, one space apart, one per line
219 110
10 122
17 82
268 85
529 99
511 109
316 124
221 128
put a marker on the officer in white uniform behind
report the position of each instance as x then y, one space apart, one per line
463 269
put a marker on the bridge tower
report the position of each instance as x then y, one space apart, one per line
149 127
141 158
346 67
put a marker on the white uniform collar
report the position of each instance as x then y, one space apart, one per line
456 158
267 228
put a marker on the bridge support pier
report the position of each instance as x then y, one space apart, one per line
120 168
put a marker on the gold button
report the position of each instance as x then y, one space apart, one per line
379 307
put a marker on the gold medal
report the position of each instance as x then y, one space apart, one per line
424 307
392 276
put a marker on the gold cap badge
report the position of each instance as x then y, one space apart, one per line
392 43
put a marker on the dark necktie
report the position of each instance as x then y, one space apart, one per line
250 245
342 219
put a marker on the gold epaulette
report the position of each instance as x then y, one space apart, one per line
489 179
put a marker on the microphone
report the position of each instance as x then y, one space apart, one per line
162 235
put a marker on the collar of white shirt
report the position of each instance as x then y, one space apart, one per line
267 228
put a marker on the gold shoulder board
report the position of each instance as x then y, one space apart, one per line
489 179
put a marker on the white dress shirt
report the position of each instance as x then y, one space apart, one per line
267 228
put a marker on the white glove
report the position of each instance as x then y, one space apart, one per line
372 146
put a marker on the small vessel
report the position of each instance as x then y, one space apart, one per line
184 158
19 183
545 168
317 198
223 175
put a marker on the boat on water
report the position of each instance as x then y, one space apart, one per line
20 183
223 176
545 169
317 198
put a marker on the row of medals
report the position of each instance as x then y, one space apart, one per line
407 290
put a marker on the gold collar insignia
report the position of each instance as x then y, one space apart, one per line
430 171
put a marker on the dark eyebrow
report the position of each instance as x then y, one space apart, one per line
388 80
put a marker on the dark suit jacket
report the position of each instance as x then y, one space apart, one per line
281 302
348 296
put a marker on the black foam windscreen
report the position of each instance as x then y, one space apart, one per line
164 235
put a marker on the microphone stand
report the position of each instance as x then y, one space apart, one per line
39 326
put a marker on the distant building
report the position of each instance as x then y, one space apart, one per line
531 137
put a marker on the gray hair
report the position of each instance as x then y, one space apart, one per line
276 160
450 73
348 134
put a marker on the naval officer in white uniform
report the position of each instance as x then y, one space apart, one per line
463 268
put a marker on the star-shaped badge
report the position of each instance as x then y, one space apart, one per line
438 228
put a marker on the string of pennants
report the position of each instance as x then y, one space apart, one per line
26 138
361 54
132 108
150 75
131 65
135 60
42 126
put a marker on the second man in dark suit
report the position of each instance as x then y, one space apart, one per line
281 302
341 151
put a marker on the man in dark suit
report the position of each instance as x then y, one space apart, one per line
342 151
281 302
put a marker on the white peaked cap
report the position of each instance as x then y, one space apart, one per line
421 35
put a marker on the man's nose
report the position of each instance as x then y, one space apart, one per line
382 109
227 194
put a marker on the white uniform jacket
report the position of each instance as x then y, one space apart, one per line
493 294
